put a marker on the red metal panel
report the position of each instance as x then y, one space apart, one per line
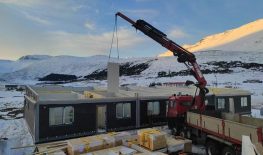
259 133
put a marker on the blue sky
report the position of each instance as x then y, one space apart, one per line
84 27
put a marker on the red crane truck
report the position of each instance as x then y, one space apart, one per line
179 104
221 135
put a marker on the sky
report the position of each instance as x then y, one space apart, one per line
85 27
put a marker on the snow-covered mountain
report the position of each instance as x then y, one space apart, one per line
33 69
147 67
34 57
7 66
220 68
248 37
35 66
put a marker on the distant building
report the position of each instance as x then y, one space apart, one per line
176 84
11 87
15 87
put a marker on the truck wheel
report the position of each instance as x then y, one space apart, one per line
212 148
228 151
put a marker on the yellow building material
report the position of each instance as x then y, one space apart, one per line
76 146
90 143
89 94
120 136
153 143
174 145
123 150
152 139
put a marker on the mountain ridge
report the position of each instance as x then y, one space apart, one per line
247 37
83 66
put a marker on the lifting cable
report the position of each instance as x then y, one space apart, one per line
115 32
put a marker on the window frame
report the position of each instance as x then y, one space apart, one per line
123 111
222 104
153 105
242 101
63 120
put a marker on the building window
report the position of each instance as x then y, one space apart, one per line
68 116
123 110
61 115
243 101
153 108
221 103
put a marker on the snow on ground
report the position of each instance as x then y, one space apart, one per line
17 135
256 113
12 125
11 104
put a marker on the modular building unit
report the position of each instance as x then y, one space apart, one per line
229 100
57 112
54 113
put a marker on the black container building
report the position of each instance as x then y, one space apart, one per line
57 112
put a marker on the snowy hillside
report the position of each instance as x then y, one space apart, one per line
147 67
58 64
248 37
34 57
79 66
7 66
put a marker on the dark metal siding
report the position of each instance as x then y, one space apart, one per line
211 102
237 104
242 110
115 124
210 99
84 122
153 119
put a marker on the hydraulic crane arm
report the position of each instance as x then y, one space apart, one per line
183 55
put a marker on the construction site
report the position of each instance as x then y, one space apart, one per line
134 120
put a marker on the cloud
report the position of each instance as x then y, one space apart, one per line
78 7
37 19
88 44
77 44
142 12
89 25
166 54
177 33
143 0
21 2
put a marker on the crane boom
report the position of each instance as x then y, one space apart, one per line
183 55
178 104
